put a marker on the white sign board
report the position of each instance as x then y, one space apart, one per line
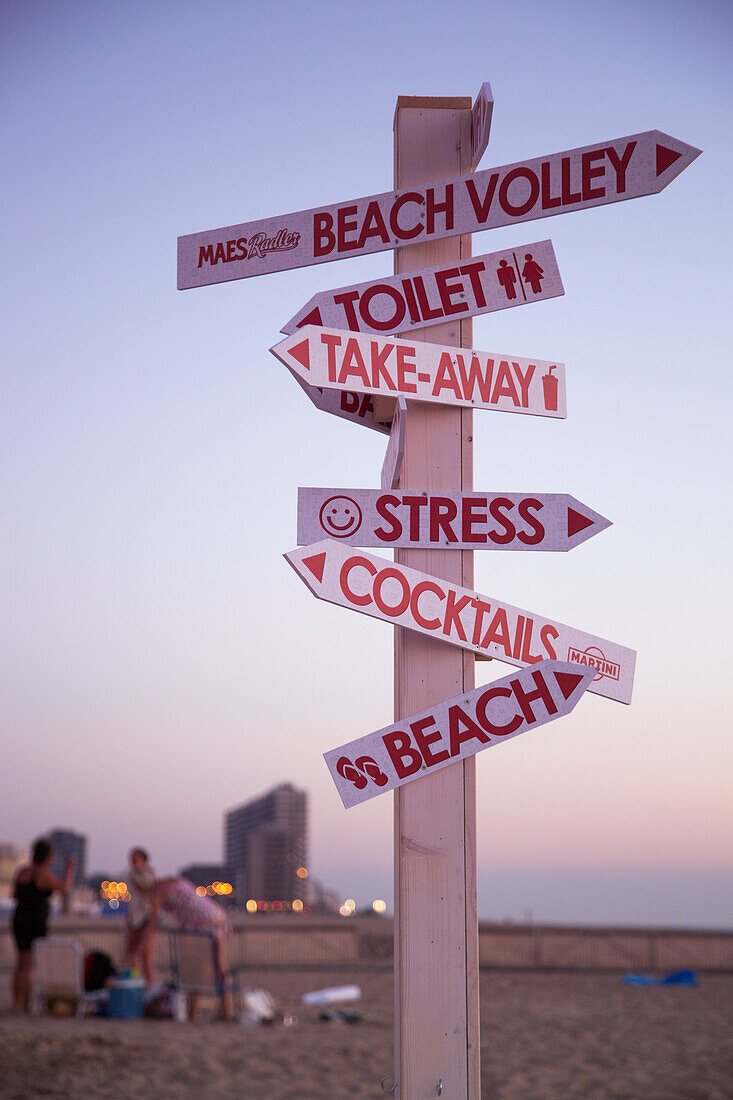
392 465
481 113
400 303
336 359
574 179
355 407
386 590
452 520
455 729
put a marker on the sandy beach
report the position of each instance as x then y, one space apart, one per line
544 1036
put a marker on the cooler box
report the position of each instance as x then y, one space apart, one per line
126 999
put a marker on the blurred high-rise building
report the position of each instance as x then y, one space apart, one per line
266 845
65 843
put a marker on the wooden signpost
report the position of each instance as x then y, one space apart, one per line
427 380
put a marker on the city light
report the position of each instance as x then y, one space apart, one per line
348 908
379 906
251 905
297 906
302 872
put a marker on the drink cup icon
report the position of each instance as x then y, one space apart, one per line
549 387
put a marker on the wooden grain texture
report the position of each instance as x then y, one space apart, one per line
436 930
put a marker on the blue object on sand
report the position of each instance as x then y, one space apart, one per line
677 977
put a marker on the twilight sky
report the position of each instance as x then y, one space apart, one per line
161 661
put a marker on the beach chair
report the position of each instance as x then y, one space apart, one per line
193 963
58 974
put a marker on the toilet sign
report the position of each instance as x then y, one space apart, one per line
455 729
575 179
341 360
396 594
400 303
391 519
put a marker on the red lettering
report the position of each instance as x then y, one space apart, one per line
489 726
425 740
447 290
541 692
457 717
384 503
495 510
400 750
474 272
347 300
482 608
399 232
206 254
392 322
401 606
620 165
524 508
378 367
548 201
498 632
476 375
323 238
527 654
353 363
427 313
345 223
405 365
414 504
346 568
469 517
534 190
481 207
453 610
420 587
588 173
442 511
548 634
445 207
568 196
377 229
331 342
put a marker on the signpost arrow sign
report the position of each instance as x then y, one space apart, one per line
356 407
336 359
450 520
400 303
337 573
574 179
481 113
455 729
392 465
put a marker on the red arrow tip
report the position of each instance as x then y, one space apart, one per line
301 352
312 318
317 563
567 682
665 158
577 522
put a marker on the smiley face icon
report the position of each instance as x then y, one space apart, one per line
340 517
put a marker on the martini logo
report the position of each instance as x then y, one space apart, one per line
242 248
593 657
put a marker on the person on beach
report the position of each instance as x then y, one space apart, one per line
141 914
196 913
32 889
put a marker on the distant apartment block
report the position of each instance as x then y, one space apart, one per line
266 845
65 843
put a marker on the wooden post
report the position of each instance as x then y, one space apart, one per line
436 927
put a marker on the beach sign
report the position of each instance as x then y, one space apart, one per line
574 179
396 594
456 729
432 295
417 519
481 113
357 408
341 360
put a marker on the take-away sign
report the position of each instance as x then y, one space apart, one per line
386 590
341 360
449 520
575 179
455 729
400 303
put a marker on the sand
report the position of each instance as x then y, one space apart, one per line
544 1036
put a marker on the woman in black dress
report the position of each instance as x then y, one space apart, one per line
33 888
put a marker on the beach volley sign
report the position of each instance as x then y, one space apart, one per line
455 729
396 594
574 179
450 521
350 361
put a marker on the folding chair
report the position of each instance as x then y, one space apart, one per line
58 973
193 962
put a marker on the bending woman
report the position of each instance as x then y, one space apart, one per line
32 891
